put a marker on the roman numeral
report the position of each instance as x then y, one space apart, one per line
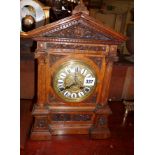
67 93
88 75
60 81
73 95
62 75
67 70
83 71
77 69
81 94
86 89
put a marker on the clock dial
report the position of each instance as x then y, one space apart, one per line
74 81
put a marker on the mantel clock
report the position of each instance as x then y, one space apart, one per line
75 57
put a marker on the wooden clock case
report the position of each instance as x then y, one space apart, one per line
78 37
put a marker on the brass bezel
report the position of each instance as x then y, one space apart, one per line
71 62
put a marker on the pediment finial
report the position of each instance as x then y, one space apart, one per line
80 8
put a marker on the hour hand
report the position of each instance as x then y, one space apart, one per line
67 87
81 87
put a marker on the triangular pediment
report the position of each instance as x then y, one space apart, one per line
79 27
78 30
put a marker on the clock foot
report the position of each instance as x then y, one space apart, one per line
45 135
100 128
40 129
101 133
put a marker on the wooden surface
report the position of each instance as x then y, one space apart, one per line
27 83
25 120
120 143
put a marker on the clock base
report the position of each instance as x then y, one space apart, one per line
101 133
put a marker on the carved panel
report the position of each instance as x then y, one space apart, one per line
60 27
54 58
97 61
78 30
76 46
41 123
81 117
61 117
71 117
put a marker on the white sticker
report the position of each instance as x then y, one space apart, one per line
89 81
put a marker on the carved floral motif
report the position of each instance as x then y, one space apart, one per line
71 117
79 30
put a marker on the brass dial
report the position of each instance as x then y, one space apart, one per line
74 81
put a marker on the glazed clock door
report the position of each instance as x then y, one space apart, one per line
74 81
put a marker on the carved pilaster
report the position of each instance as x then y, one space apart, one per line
105 87
41 57
112 55
42 60
110 58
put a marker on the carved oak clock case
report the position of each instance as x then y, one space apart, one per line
75 58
